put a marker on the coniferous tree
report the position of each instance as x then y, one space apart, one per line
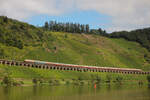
72 28
46 26
82 28
87 28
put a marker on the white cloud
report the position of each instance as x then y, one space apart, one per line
25 8
126 14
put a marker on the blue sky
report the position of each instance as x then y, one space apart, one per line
111 15
93 18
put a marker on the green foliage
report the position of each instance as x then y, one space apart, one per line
38 81
119 79
54 82
67 27
148 78
17 34
98 32
108 78
141 36
73 28
35 81
15 83
14 43
5 19
21 82
7 80
41 81
80 78
46 27
98 79
50 82
2 52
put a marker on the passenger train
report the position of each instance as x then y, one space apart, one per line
81 66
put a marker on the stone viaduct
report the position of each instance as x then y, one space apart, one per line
62 67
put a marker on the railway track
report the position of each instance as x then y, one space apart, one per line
71 67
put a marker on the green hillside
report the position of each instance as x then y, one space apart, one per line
19 41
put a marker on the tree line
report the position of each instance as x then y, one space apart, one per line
141 36
72 28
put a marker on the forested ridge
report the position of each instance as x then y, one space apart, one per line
141 36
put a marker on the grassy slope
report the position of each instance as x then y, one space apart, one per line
83 49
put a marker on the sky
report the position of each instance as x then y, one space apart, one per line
111 15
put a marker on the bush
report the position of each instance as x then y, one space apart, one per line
21 82
54 82
7 81
55 48
35 81
98 78
2 53
148 78
119 79
5 19
108 78
50 82
76 81
41 81
67 82
80 78
16 84
81 83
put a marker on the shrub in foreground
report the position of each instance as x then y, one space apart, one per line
7 80
119 79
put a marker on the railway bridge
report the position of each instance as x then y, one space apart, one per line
60 66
